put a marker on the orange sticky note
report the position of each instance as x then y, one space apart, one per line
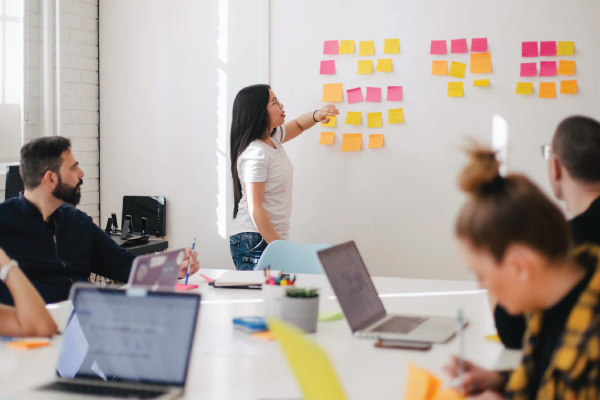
331 122
396 116
565 48
327 138
333 92
439 67
346 47
455 89
566 67
448 394
391 46
27 344
374 120
524 88
365 67
481 63
266 335
376 141
351 141
384 65
366 48
548 90
457 69
420 384
568 87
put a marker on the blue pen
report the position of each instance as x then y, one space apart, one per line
187 272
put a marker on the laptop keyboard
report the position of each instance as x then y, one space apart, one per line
106 391
399 324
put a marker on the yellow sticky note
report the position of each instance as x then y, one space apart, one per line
353 118
391 46
396 116
346 47
365 67
493 338
566 67
481 63
481 82
331 122
366 48
327 138
376 141
565 48
448 394
457 69
420 384
351 141
568 87
374 120
524 88
333 92
548 90
455 89
384 65
309 363
439 67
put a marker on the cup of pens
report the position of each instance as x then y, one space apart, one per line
274 291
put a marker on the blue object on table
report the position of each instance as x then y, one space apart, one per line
290 257
187 272
250 324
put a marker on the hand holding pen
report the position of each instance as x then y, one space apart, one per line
191 265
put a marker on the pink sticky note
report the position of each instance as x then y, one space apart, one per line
547 48
373 94
182 287
328 67
529 49
547 68
394 93
458 46
354 95
438 47
528 69
479 45
206 278
331 47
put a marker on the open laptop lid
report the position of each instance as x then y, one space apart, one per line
352 285
157 271
133 336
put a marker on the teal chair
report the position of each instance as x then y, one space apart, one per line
293 258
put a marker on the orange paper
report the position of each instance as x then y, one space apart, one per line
327 138
27 345
481 63
333 92
439 67
566 67
351 141
448 394
548 90
420 384
266 335
568 87
376 141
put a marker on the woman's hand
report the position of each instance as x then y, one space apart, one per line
475 380
3 258
327 111
488 395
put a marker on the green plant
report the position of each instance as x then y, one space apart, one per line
302 293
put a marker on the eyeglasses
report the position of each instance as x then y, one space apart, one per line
546 152
276 102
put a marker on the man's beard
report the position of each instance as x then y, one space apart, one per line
66 193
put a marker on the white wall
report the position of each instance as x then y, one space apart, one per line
400 203
169 71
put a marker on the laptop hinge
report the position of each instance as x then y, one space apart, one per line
124 385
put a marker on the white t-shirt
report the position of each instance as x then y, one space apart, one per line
262 163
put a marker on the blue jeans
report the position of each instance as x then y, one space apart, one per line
246 249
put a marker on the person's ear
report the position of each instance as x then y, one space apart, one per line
557 172
522 262
50 179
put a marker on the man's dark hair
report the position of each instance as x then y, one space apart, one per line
576 143
39 156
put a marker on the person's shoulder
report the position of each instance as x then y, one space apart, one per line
74 213
254 151
10 205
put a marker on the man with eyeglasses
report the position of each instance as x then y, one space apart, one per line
574 170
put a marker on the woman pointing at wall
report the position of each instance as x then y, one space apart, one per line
261 170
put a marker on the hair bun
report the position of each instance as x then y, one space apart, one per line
481 172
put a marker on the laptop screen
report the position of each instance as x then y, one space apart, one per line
352 285
157 271
129 336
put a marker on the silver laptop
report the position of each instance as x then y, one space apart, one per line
124 344
157 271
363 308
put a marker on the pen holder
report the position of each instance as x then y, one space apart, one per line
272 296
301 312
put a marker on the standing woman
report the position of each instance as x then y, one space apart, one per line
261 170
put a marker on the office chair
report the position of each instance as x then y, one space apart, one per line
290 257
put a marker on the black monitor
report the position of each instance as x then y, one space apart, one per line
14 183
153 208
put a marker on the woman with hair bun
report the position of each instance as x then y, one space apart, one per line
516 241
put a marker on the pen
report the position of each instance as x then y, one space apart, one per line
461 348
187 272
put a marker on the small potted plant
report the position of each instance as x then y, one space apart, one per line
300 307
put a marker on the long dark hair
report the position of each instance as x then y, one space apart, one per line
250 121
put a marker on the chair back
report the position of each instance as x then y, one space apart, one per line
294 258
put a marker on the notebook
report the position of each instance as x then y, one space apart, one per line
243 279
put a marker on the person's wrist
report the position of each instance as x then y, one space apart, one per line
5 269
317 116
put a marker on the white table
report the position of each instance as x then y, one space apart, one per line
230 364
